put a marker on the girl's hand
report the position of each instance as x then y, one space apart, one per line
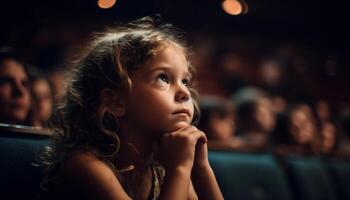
183 148
201 155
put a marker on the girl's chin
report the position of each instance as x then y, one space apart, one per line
179 125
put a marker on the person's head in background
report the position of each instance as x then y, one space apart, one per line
217 118
15 100
296 127
43 100
254 112
328 138
271 74
327 129
57 79
323 111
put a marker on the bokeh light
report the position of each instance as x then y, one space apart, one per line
232 7
106 4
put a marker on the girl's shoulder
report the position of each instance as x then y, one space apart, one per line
81 161
86 173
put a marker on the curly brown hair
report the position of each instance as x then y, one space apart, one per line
81 121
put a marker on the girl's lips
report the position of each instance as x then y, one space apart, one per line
182 111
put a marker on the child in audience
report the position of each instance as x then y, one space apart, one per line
42 96
218 122
255 118
296 132
125 128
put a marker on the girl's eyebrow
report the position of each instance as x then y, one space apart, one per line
167 68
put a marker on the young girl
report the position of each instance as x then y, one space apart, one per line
125 127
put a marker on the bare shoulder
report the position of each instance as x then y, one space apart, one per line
93 178
81 163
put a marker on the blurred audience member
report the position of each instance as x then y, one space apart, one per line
326 127
328 138
14 88
42 97
232 71
58 84
255 118
295 132
343 150
323 111
217 121
278 104
272 76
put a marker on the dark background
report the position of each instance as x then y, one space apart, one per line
48 33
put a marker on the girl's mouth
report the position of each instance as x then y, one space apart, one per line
182 112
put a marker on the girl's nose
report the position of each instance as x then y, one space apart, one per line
182 94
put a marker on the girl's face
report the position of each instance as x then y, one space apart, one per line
160 99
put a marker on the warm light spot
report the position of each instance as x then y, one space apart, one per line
232 7
105 4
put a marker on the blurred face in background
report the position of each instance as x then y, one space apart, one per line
264 115
328 137
271 73
58 84
222 126
323 110
278 104
42 95
14 92
302 126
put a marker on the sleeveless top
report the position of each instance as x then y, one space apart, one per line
157 173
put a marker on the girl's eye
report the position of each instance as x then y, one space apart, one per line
163 78
186 81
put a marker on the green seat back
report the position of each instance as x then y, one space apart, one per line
310 178
19 178
341 172
249 176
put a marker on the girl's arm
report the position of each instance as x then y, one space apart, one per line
203 177
176 184
205 183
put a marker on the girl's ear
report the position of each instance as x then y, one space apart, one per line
114 102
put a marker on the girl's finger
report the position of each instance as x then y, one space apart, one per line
199 136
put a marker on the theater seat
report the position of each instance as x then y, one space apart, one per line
310 178
249 176
340 170
19 178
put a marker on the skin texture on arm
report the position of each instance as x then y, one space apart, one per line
176 184
192 195
92 178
